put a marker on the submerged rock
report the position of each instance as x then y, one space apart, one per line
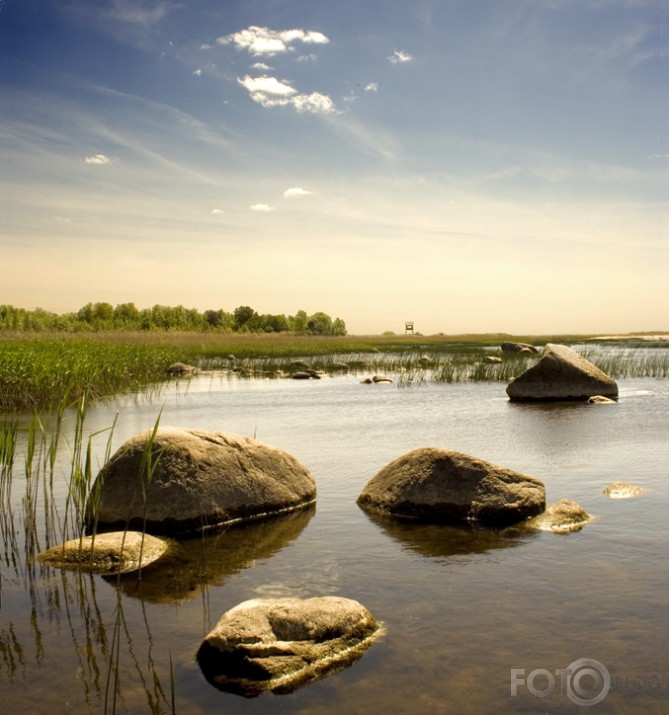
111 553
561 374
563 516
622 490
280 645
198 480
439 485
600 400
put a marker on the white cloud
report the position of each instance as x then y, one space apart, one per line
266 85
263 41
314 103
296 192
97 159
197 72
372 87
217 212
260 66
400 56
261 208
271 92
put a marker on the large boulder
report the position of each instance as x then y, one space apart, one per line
439 485
561 374
112 553
183 480
279 645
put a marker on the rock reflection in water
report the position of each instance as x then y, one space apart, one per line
210 559
446 541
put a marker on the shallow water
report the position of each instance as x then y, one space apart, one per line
461 608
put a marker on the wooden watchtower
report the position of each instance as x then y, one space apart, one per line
408 327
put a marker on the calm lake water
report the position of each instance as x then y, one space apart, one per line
462 608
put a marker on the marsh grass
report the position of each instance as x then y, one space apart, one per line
44 372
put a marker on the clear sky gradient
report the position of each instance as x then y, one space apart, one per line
471 165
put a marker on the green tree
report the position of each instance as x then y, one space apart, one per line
320 324
243 314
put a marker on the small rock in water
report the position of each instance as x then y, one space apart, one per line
562 517
600 400
180 368
111 553
622 490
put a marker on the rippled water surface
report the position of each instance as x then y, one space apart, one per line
461 608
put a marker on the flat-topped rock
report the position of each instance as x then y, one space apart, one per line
279 645
561 374
439 485
110 553
195 480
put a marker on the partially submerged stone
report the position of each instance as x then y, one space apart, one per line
561 374
279 645
180 368
439 485
563 516
623 490
197 480
600 400
110 553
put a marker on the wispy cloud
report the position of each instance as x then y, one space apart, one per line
372 87
296 192
261 208
217 212
99 159
264 41
399 57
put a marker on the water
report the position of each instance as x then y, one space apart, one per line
461 609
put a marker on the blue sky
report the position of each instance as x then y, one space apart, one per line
471 165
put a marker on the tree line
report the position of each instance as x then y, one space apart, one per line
98 317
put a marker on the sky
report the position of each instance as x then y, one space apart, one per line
469 165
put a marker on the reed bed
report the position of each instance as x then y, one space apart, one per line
41 373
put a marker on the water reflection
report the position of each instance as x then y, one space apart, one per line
446 541
72 620
191 565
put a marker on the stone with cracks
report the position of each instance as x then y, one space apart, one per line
561 374
439 485
279 645
184 480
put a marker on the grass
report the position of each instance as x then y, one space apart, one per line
44 372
